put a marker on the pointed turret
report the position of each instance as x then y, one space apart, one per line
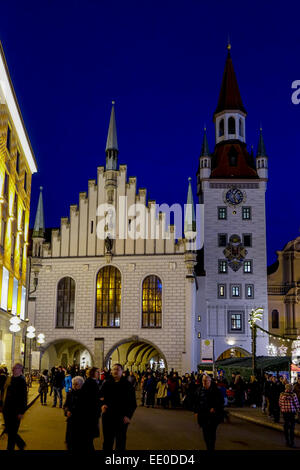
205 148
205 159
112 149
39 224
261 157
190 218
261 150
38 234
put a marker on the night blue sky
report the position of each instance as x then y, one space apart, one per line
162 61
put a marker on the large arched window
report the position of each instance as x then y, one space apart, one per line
108 298
275 319
65 303
152 302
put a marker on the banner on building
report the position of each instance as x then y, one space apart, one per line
35 360
207 351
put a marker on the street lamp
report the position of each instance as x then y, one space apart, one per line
30 334
40 341
255 316
14 328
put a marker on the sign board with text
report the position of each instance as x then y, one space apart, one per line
207 351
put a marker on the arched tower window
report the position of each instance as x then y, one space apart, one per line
275 319
231 125
221 128
65 303
152 302
108 298
241 128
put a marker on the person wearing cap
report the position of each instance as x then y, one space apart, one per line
289 406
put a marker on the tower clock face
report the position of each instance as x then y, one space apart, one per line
234 196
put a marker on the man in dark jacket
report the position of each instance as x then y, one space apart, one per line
14 406
58 385
209 407
118 400
274 392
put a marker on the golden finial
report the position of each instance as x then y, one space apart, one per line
228 43
113 102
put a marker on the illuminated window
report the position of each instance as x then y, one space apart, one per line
235 291
15 297
222 291
65 303
246 213
108 298
23 300
236 321
249 291
152 302
247 266
222 213
223 269
4 290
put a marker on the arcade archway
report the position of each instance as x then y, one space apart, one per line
233 352
136 354
66 352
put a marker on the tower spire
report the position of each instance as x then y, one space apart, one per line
230 97
112 149
39 224
190 218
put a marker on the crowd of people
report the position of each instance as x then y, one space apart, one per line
92 393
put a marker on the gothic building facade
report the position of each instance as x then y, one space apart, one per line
100 296
102 293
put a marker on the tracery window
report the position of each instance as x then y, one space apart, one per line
152 302
108 298
65 303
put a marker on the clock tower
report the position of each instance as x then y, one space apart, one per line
231 184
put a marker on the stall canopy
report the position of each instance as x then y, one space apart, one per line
243 365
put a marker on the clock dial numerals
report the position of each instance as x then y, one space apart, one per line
234 196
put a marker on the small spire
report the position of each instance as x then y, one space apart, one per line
190 218
261 150
39 224
112 142
205 148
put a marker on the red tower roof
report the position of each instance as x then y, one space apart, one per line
230 97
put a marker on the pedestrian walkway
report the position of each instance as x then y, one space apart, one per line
255 415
